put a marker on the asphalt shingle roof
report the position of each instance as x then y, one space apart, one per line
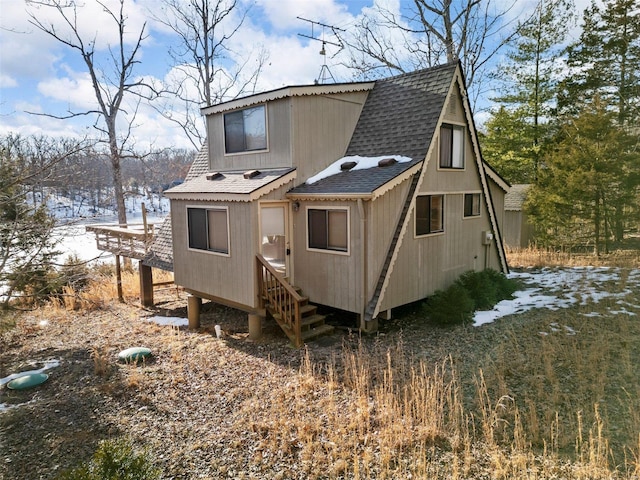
356 182
161 251
515 197
233 182
399 118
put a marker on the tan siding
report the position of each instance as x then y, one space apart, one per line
384 213
307 132
231 277
328 278
433 262
279 137
322 127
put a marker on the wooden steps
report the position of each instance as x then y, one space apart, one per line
312 324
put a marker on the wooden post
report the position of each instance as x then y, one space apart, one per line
146 285
193 311
255 326
119 279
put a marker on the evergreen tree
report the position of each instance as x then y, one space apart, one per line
507 146
605 61
27 247
588 179
529 78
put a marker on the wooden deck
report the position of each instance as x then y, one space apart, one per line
132 240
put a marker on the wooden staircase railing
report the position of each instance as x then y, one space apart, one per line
276 293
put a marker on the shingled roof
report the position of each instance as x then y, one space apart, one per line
399 118
161 252
516 196
237 185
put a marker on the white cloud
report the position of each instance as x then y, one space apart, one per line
282 14
7 82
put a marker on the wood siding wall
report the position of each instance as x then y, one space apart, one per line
329 278
228 277
426 264
309 133
322 127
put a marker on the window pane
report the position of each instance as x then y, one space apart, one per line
317 228
435 212
422 215
471 204
457 153
255 129
337 230
197 226
446 134
218 232
234 132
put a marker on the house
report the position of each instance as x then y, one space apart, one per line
359 196
518 231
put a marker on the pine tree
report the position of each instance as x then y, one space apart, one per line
529 79
588 179
605 61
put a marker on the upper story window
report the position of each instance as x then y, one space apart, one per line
429 214
328 229
245 130
471 204
451 146
208 229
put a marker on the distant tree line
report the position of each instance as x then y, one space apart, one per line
33 169
567 122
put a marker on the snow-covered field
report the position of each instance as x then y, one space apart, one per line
556 288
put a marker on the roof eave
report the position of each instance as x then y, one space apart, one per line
285 92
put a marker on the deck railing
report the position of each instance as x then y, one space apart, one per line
281 298
131 241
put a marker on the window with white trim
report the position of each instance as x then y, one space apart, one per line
245 130
208 229
429 214
328 229
451 146
471 204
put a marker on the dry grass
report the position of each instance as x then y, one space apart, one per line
533 257
536 403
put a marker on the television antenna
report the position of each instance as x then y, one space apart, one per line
325 73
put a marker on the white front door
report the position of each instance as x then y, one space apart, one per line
274 238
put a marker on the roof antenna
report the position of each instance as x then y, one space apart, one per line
325 73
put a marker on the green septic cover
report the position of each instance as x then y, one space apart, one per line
27 381
134 354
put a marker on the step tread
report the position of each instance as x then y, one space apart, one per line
316 332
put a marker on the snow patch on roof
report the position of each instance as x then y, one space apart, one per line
361 164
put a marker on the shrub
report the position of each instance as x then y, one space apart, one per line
471 291
450 307
114 460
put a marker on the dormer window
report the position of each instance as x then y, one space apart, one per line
451 146
245 130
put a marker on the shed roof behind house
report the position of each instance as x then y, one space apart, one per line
515 197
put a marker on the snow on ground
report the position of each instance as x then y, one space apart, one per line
563 287
171 321
361 164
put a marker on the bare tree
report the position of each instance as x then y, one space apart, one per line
111 83
206 70
429 33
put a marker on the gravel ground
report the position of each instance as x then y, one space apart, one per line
185 405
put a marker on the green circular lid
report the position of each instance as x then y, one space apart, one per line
134 354
27 381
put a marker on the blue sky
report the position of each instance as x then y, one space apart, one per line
38 74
